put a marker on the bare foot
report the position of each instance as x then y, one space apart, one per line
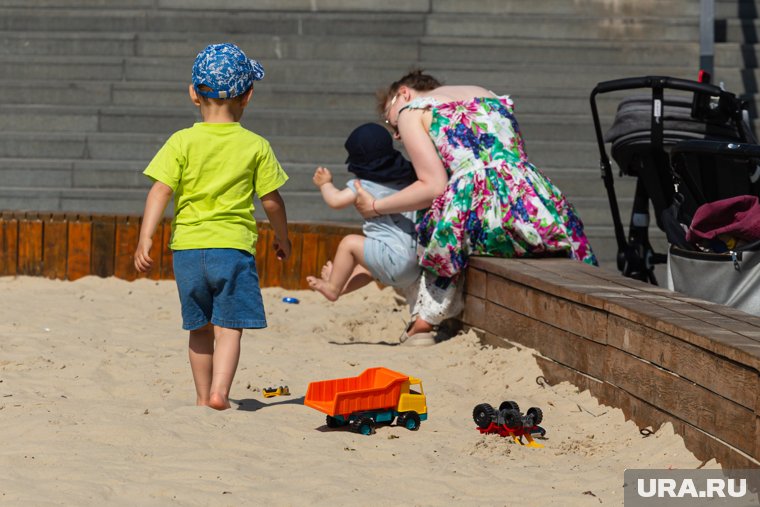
219 402
326 270
323 287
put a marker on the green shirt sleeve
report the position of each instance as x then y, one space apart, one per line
269 174
168 163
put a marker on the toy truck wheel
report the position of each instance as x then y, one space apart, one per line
332 422
512 418
537 414
483 415
509 405
364 425
409 420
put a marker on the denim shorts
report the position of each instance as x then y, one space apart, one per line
218 285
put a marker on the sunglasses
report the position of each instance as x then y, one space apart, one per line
387 110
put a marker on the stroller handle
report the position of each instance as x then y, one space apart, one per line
656 81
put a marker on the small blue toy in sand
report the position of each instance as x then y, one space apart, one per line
290 300
510 422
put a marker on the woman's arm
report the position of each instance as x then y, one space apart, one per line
431 175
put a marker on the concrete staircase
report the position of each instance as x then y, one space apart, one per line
91 91
737 34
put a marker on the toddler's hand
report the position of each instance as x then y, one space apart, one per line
321 176
281 248
143 262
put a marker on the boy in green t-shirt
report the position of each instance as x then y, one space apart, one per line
213 169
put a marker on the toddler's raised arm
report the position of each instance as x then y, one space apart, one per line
336 199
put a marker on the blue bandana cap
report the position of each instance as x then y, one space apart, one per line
226 70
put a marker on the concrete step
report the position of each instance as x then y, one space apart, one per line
745 9
233 5
510 76
538 26
89 43
342 48
312 149
174 94
734 54
119 201
266 122
509 50
745 31
741 81
213 21
563 7
330 96
79 4
88 173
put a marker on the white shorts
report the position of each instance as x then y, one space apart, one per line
392 265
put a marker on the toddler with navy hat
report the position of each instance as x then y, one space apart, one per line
388 249
213 169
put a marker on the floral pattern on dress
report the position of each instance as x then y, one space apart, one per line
496 202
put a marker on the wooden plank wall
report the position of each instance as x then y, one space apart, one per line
658 355
68 246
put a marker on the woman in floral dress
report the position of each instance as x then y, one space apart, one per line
477 191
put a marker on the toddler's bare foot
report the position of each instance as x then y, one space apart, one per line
327 270
219 402
323 287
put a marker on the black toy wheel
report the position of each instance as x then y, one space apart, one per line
409 420
537 414
483 415
512 418
333 422
364 425
509 405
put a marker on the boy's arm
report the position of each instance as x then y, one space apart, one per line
155 204
336 199
274 207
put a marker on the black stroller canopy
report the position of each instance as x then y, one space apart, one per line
633 121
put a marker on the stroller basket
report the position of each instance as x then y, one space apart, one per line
642 135
726 270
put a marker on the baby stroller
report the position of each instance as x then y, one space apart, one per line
687 143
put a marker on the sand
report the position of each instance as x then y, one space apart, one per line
96 406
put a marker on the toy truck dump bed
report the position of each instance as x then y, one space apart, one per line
375 388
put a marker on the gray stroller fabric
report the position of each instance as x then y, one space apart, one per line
634 119
717 278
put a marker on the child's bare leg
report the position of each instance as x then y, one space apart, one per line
359 278
349 254
226 357
201 352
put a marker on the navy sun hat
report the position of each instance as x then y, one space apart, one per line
226 70
371 156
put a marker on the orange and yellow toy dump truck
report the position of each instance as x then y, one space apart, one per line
377 395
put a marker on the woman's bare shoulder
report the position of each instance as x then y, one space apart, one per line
460 92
